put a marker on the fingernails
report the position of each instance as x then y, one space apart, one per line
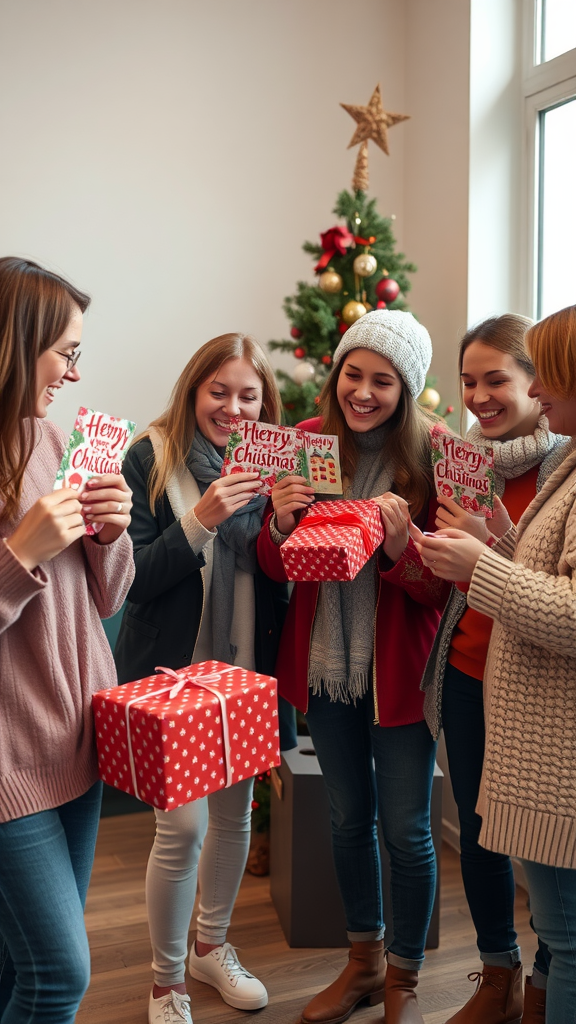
87 508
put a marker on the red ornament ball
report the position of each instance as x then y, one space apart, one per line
387 289
327 360
299 352
343 327
296 332
380 304
317 400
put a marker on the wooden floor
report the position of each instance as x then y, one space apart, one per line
116 922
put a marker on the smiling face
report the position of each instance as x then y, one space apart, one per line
234 390
561 412
368 389
52 366
495 389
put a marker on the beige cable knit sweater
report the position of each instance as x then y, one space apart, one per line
527 584
53 652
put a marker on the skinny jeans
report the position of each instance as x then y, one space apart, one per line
488 877
553 905
373 772
203 844
45 864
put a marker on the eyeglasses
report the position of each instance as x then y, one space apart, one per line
70 360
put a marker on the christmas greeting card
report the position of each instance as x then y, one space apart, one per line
463 472
97 445
278 451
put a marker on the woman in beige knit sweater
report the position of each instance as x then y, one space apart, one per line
526 582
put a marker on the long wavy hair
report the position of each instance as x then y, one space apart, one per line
552 345
407 444
35 309
178 423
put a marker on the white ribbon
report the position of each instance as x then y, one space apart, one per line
183 678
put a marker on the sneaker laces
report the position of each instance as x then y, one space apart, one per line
487 979
176 1007
231 965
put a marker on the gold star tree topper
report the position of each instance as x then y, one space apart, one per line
373 123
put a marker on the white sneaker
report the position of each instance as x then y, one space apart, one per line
222 969
171 1009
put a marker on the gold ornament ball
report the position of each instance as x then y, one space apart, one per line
365 265
353 311
430 399
330 282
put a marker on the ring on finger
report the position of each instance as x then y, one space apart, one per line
120 508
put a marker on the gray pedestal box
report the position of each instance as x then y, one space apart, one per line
303 882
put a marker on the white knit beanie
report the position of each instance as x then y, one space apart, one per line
397 336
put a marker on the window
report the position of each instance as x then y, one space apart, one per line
549 86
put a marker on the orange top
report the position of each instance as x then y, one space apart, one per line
471 637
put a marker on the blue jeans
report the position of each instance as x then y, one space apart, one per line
488 877
553 905
45 865
373 772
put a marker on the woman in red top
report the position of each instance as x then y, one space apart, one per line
496 373
351 657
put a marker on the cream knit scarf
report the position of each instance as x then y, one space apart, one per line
514 458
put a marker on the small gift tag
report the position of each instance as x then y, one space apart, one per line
97 445
464 472
278 451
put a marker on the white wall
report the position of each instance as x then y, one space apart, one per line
171 158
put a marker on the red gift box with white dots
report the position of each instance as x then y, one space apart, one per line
332 541
181 745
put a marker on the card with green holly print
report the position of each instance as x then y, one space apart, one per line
279 451
464 472
97 445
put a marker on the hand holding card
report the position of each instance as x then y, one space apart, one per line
463 472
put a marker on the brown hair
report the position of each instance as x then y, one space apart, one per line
35 309
552 345
178 423
506 333
408 441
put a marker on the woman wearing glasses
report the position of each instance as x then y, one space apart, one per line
55 585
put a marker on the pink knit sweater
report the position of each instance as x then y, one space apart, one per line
53 652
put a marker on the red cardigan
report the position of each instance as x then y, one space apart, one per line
408 608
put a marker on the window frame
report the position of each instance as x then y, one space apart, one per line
543 86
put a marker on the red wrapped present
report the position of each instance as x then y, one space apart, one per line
332 541
174 737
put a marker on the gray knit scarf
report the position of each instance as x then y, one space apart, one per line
514 458
234 544
342 644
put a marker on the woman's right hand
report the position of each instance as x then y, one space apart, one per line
51 525
225 496
450 515
289 496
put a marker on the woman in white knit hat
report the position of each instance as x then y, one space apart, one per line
525 583
352 655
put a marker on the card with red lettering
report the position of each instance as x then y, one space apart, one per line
97 445
463 472
277 451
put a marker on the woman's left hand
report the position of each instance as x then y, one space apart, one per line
395 514
107 499
450 554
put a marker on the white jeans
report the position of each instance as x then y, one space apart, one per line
206 843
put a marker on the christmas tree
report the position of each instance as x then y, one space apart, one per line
358 269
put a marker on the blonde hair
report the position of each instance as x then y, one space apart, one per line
552 345
408 441
178 423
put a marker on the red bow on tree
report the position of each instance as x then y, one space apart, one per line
334 240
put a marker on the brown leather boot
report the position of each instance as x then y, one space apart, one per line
362 980
534 1004
498 997
400 1003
